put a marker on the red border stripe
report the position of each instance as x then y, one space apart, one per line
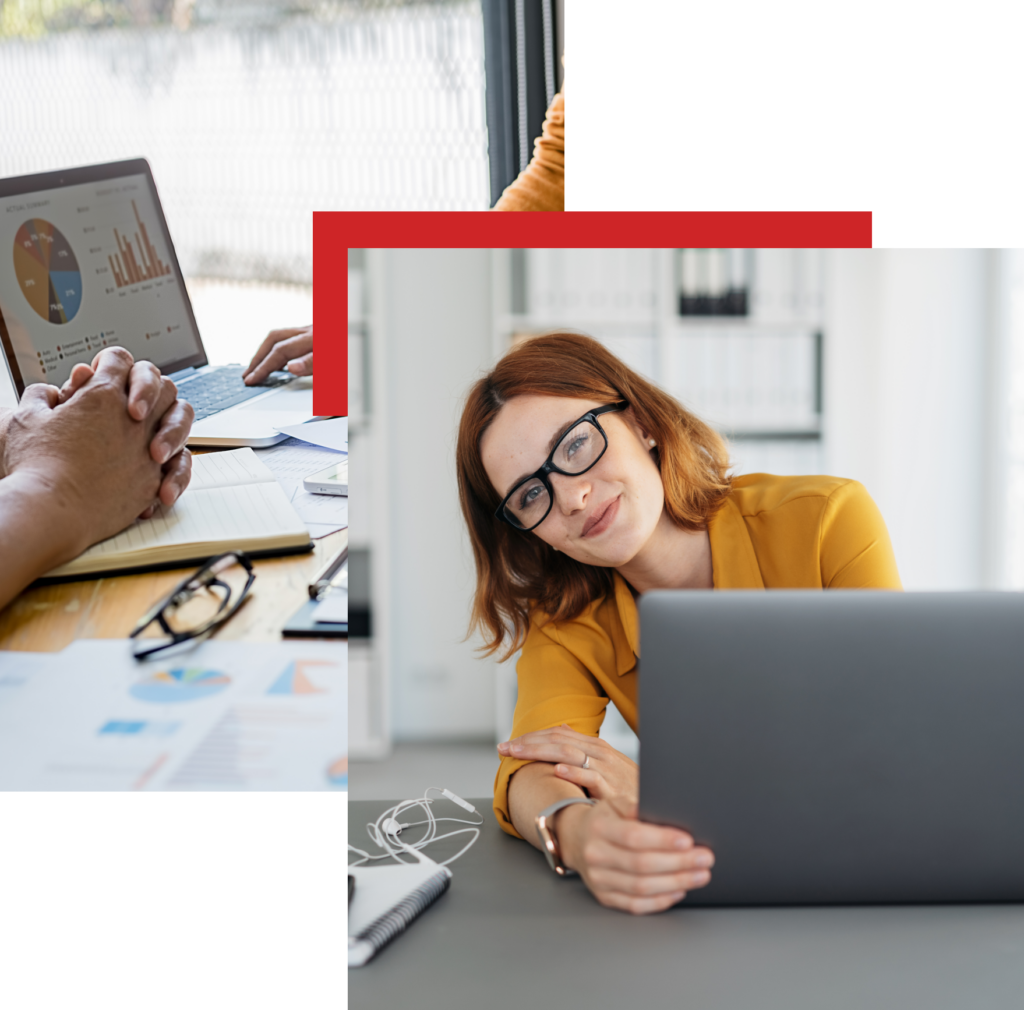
335 232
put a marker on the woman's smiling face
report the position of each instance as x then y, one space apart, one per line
602 517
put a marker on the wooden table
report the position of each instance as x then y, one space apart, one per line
48 618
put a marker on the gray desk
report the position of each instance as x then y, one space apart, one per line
510 934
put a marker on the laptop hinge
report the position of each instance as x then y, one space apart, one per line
182 374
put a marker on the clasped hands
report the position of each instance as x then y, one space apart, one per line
110 443
626 863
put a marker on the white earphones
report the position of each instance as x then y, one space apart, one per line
386 830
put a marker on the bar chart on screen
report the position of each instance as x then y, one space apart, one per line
129 269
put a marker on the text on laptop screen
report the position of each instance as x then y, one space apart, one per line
86 267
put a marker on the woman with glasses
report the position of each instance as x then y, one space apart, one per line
584 485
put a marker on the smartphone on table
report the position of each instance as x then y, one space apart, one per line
333 480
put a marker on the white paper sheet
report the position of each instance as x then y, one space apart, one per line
17 669
231 468
225 715
332 433
293 460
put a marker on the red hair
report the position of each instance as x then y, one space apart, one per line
517 572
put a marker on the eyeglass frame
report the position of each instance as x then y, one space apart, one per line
156 612
548 467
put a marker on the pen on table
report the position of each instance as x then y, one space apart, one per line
326 575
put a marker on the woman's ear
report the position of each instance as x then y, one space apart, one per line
629 416
646 437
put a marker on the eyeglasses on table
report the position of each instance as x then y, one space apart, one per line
197 606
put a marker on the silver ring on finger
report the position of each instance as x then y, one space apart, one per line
586 763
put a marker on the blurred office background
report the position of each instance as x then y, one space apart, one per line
901 369
255 113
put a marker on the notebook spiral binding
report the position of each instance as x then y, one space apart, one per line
396 920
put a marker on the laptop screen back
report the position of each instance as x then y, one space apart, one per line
86 262
840 746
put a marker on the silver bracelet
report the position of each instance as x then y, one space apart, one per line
546 834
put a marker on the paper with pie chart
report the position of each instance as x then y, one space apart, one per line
220 715
47 271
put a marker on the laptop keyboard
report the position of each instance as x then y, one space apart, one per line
220 388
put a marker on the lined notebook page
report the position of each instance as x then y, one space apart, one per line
229 469
210 516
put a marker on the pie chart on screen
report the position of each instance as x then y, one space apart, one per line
47 271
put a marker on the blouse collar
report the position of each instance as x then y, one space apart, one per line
734 566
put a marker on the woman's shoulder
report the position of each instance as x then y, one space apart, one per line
590 617
607 626
753 493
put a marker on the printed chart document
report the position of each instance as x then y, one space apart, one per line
233 502
225 715
17 669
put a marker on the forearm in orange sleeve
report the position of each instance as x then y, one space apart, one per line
541 185
554 688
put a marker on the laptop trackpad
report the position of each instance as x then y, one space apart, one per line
298 400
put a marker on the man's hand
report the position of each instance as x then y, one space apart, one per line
627 864
88 457
146 387
290 350
586 761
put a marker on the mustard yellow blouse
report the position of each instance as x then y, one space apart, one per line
771 533
541 185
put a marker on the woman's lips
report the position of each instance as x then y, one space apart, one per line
602 519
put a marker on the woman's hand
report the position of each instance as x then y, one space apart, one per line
627 864
290 349
146 389
586 761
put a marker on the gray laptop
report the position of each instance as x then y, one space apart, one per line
87 262
838 747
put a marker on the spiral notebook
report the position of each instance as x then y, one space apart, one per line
387 900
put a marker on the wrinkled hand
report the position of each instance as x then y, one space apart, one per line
146 388
290 350
610 773
628 864
87 456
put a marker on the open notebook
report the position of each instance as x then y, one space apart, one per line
233 502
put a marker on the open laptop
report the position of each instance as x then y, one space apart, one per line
86 261
838 747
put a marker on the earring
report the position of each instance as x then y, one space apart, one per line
652 442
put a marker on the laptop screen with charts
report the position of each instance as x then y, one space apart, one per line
838 747
92 266
86 262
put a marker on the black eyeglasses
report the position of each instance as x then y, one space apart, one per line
199 605
584 442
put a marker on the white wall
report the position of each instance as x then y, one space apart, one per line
908 371
432 318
